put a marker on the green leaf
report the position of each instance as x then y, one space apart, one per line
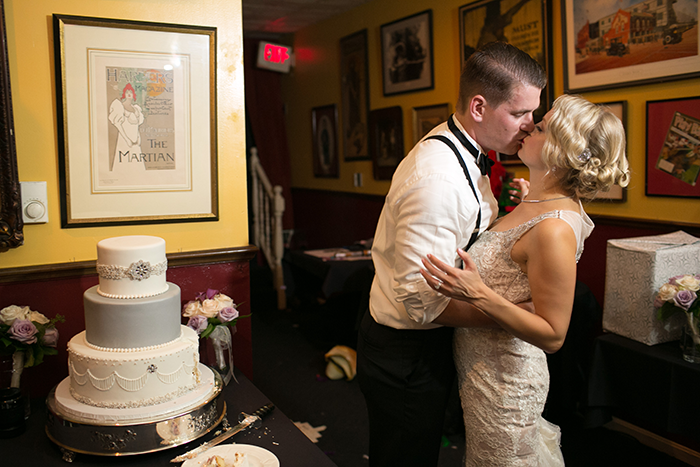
667 310
207 331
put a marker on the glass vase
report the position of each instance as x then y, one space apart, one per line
690 339
14 403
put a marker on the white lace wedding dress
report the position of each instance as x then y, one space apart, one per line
503 381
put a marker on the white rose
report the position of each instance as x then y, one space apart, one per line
667 292
192 308
36 317
224 301
9 314
689 283
210 308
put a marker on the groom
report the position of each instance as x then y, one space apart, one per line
438 202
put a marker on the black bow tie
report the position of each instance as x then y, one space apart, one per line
482 160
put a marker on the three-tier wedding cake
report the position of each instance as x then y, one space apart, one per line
135 361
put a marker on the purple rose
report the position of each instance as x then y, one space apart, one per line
23 330
227 314
684 299
199 323
50 338
208 295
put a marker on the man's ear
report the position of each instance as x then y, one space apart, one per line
477 106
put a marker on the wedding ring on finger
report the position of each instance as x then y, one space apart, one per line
438 285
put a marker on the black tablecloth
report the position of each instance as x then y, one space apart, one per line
277 434
334 276
651 386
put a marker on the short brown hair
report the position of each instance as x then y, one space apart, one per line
494 71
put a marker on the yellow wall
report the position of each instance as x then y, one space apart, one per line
316 81
30 49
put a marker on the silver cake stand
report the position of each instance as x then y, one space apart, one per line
125 439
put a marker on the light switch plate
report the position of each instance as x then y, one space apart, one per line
34 203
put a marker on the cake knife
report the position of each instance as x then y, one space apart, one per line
245 421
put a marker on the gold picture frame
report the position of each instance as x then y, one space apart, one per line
136 121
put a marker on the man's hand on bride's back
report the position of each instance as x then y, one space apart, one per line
521 188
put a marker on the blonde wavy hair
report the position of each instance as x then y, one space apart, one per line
587 142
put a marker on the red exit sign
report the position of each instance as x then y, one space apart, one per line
275 57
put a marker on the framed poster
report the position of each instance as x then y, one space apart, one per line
136 121
427 117
386 140
324 121
616 193
355 95
407 54
615 43
11 224
522 23
673 148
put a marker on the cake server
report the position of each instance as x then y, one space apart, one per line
245 422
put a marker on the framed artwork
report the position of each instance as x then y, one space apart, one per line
616 193
407 54
428 117
522 23
610 44
355 95
136 121
386 140
325 140
673 148
11 224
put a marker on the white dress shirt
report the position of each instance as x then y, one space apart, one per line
430 208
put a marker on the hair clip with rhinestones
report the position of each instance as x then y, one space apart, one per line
585 155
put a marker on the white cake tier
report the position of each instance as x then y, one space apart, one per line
104 378
131 267
130 324
79 412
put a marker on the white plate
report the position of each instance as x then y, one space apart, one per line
257 456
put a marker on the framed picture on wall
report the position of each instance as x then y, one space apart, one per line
136 121
386 140
616 44
355 95
524 24
324 124
673 148
427 117
407 54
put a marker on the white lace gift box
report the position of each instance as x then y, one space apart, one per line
635 269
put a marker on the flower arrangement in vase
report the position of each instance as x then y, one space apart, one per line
211 314
678 295
28 336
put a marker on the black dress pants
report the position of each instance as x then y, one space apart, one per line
406 377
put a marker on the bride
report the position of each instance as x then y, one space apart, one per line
529 255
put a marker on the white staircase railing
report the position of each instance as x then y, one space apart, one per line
268 207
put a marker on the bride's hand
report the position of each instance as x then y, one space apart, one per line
460 284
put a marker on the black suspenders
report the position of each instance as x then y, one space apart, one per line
475 232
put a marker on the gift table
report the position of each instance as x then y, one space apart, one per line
649 386
277 434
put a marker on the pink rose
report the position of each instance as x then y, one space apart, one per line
210 308
191 308
228 314
50 338
23 330
199 323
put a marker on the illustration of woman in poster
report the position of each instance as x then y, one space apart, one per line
126 116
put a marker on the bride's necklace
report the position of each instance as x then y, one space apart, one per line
544 200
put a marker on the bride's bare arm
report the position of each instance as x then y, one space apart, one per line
549 251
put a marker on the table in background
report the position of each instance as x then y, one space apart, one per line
649 386
328 276
277 434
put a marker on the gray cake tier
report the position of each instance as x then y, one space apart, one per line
132 323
